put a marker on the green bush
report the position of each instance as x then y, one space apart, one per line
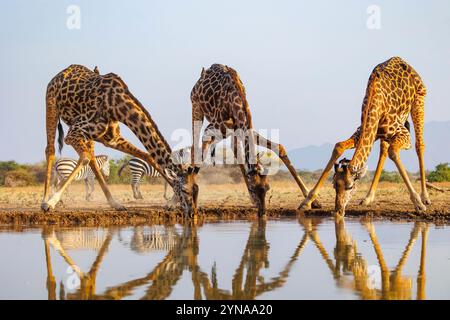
440 174
19 178
114 166
5 167
38 170
390 176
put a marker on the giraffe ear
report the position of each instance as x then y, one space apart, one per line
196 170
336 167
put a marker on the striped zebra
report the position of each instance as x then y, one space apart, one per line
64 167
139 168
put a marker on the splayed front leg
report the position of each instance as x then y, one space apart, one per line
338 150
116 205
394 155
306 204
83 160
367 200
425 197
101 179
282 154
384 147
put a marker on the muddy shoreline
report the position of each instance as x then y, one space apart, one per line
21 206
104 217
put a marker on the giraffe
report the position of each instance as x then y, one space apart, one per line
92 105
394 91
219 96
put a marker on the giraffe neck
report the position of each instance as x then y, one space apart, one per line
369 127
251 161
136 117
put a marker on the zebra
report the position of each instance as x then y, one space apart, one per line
139 168
64 167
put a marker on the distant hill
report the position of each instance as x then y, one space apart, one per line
437 150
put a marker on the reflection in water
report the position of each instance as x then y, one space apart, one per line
152 238
346 264
347 259
79 239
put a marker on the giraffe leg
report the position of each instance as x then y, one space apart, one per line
51 124
281 152
55 181
421 277
394 154
211 137
417 115
404 258
101 180
197 123
241 166
385 281
384 146
51 283
205 147
81 147
113 140
123 145
338 150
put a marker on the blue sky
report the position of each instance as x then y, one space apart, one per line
305 64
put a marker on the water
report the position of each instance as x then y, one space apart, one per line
277 259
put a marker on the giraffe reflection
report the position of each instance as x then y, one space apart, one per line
62 241
348 260
349 268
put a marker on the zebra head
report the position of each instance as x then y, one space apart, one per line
185 189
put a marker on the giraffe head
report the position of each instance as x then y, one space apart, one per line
344 182
258 185
186 190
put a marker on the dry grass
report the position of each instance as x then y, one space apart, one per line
392 200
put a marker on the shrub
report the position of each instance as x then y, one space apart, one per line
114 166
38 170
19 178
390 176
5 167
440 174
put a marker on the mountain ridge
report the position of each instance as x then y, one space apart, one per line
436 137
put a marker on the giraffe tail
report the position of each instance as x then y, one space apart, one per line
60 136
